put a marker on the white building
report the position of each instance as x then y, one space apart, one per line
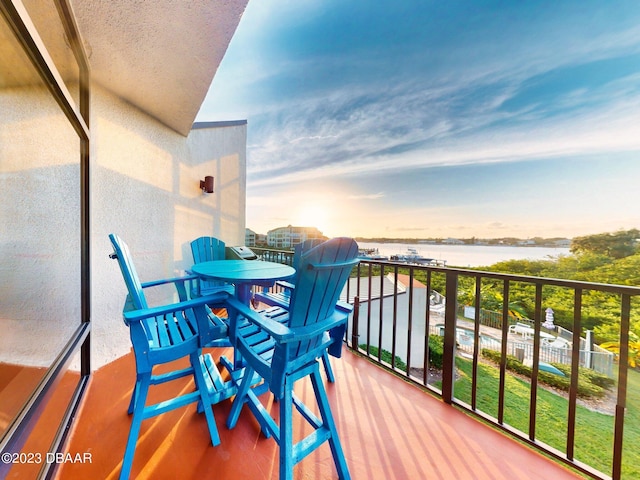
289 236
250 237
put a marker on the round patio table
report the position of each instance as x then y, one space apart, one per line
243 274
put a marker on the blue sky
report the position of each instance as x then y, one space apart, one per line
407 118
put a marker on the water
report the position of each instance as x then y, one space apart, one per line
469 255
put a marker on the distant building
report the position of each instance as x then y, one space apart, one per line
253 239
565 242
452 241
249 237
289 237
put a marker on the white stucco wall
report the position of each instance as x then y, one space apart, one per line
40 239
145 187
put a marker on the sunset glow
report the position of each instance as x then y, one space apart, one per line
422 119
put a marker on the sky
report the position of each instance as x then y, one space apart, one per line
432 119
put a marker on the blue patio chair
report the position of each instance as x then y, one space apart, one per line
283 352
281 297
163 334
206 249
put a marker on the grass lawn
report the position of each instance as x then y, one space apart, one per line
594 431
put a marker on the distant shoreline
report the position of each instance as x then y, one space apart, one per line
463 244
475 242
473 256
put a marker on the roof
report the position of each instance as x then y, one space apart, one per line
406 280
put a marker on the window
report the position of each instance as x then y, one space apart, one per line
44 270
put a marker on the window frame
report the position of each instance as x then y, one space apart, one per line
23 425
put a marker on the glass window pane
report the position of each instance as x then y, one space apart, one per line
44 16
40 294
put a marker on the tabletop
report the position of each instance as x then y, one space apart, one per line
234 271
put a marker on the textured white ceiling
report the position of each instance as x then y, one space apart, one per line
159 55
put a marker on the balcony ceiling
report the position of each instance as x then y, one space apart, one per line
160 55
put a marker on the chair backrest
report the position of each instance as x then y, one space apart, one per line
206 249
121 253
300 248
322 274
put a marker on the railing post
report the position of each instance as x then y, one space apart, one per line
449 354
621 398
355 330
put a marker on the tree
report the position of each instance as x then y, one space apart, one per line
616 245
633 351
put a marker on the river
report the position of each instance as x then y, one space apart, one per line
469 255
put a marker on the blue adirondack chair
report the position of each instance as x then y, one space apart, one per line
282 352
163 334
281 297
206 249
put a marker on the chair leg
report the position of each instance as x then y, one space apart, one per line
140 394
198 376
327 367
134 394
286 432
329 423
241 395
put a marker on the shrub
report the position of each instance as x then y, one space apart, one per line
588 375
436 351
385 356
587 387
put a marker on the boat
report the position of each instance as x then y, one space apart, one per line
370 254
413 256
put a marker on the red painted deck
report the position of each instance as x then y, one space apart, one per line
389 429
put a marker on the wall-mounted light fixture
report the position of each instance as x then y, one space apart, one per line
207 185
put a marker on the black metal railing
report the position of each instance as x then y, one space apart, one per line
270 255
394 329
408 319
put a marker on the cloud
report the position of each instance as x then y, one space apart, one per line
409 229
408 129
350 96
372 196
498 226
336 89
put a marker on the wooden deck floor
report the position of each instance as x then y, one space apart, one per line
389 430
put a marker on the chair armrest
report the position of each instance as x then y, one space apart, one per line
344 306
277 330
282 333
164 281
141 314
177 281
304 333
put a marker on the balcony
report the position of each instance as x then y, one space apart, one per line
389 429
394 422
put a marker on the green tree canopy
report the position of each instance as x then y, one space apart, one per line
616 245
612 258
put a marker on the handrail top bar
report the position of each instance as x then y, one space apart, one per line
606 287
